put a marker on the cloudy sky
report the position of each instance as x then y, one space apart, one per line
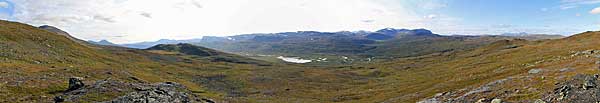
127 21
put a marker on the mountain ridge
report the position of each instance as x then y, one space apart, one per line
39 65
103 42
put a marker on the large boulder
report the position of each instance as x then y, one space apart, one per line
75 83
534 71
496 101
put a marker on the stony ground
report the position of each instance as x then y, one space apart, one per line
128 92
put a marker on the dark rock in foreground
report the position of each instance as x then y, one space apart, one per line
110 91
75 83
580 89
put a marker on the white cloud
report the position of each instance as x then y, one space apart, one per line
595 11
502 26
4 16
568 4
433 4
4 4
144 20
125 21
148 15
580 1
565 7
431 16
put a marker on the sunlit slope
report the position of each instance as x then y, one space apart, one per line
35 65
503 67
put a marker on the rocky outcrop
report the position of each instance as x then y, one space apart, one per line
120 92
580 89
75 83
58 31
158 93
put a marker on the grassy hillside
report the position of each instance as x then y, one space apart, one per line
499 70
201 53
417 46
340 48
35 65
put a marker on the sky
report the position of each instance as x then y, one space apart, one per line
129 21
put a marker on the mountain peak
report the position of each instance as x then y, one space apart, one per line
54 30
515 34
185 48
404 32
422 31
58 31
103 42
390 30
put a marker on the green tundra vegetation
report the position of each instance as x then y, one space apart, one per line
35 65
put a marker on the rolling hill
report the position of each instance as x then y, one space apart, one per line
103 42
509 70
37 65
144 45
346 47
197 52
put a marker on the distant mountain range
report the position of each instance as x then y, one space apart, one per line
144 45
528 36
103 42
383 34
39 64
384 43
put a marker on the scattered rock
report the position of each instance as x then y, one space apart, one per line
160 93
208 100
168 92
482 100
431 100
496 101
588 84
467 95
580 89
440 94
543 77
75 83
37 62
565 69
534 71
539 101
59 99
597 56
